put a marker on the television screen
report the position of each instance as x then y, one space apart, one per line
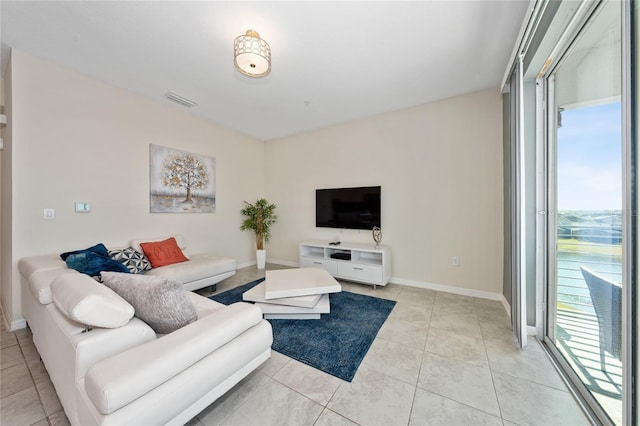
350 208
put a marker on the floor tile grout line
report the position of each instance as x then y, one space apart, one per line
493 383
461 403
300 393
413 401
33 382
493 380
337 414
334 394
415 390
531 381
239 406
288 387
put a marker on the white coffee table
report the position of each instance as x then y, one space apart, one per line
294 293
273 311
256 295
299 282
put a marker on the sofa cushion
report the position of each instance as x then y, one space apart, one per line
111 387
29 265
162 253
84 300
135 261
198 267
159 302
40 283
39 271
204 306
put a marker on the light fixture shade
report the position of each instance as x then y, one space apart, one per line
252 55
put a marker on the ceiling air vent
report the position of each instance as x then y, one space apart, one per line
180 100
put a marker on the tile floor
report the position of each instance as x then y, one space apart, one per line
440 359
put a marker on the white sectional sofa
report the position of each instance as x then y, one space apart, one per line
122 372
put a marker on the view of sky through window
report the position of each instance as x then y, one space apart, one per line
589 158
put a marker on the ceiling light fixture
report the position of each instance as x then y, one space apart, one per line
252 55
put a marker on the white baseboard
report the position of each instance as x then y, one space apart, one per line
275 261
449 289
456 290
18 324
245 265
283 262
13 325
506 304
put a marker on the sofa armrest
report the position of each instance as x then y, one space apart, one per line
121 379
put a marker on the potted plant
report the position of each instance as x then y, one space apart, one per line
258 218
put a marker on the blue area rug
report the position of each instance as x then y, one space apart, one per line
337 342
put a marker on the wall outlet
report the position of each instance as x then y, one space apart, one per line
455 261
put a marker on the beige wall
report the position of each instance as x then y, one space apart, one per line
440 167
78 139
72 138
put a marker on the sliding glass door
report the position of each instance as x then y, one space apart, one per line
585 239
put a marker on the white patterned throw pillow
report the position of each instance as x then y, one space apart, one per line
135 261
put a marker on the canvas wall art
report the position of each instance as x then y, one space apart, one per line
180 181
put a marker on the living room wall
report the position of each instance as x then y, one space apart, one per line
74 138
440 167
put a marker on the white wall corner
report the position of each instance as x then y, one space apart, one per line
15 324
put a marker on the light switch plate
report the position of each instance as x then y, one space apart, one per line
49 214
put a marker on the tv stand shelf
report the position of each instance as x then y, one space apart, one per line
367 264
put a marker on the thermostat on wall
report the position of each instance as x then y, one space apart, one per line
83 207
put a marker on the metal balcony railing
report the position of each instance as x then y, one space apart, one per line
604 259
577 331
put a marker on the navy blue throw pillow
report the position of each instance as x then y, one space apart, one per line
99 249
91 263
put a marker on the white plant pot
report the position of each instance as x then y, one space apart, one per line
261 256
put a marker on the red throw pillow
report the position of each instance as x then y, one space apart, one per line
162 253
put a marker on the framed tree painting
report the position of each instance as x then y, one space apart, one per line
180 181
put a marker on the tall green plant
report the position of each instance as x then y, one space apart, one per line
259 218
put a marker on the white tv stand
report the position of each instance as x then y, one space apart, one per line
367 265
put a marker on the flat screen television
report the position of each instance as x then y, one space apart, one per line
349 208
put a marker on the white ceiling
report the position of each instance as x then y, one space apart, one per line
332 62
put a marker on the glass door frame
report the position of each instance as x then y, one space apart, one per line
517 195
546 140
